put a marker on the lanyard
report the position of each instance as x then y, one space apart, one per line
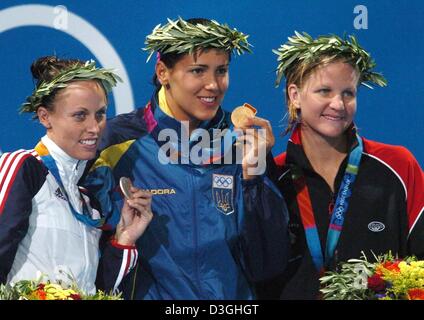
85 218
337 216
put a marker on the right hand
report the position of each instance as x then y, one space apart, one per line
256 146
136 215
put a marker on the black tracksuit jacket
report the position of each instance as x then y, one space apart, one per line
388 192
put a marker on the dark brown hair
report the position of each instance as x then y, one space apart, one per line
46 68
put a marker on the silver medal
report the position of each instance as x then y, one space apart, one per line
125 184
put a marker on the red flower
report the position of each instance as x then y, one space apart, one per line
376 283
75 296
41 294
41 286
392 266
416 294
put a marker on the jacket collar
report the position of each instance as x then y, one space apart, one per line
296 155
157 120
154 116
70 169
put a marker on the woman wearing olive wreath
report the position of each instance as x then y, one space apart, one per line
49 225
345 193
216 228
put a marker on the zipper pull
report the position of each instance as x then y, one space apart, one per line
331 205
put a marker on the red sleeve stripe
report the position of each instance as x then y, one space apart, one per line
393 170
8 163
9 167
129 260
121 270
5 156
35 154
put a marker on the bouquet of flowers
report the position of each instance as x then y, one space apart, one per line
388 278
44 289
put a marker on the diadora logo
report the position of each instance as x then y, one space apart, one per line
58 193
376 226
162 191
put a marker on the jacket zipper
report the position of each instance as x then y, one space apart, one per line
195 237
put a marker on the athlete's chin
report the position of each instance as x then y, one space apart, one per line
335 130
83 154
207 115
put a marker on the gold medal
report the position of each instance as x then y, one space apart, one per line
241 114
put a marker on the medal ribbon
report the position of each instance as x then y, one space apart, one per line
337 216
50 163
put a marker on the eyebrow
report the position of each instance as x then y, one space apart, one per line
325 85
207 66
81 108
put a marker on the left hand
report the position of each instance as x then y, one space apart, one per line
257 144
136 215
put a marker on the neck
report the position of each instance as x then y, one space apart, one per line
325 154
170 110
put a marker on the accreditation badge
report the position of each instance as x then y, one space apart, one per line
222 192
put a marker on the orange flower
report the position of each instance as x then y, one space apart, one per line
416 294
41 294
392 266
38 294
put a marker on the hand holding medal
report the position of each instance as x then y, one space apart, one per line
125 185
136 213
257 139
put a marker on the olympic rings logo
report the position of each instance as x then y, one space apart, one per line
222 181
59 18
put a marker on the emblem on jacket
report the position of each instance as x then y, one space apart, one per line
376 226
58 193
222 191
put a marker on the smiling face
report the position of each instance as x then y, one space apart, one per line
327 100
196 84
77 118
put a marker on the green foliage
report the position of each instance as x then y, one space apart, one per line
386 278
350 283
180 36
302 48
74 73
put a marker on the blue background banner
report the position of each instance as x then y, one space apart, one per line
113 33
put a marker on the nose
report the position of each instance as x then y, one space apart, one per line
337 102
211 83
93 125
